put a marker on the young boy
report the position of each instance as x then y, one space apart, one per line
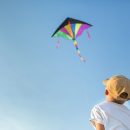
112 114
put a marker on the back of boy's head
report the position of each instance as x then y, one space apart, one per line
117 86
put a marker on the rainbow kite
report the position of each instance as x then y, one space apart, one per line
71 29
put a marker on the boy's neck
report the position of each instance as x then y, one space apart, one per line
110 99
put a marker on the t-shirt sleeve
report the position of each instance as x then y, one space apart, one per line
96 116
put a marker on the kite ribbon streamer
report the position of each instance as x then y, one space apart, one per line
58 44
78 52
88 35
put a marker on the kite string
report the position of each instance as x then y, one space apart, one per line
78 52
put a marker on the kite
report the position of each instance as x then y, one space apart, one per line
71 29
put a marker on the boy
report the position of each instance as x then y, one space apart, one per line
112 114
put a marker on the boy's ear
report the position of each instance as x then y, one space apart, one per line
106 92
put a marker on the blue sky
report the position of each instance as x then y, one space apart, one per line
44 88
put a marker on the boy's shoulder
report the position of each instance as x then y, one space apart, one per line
110 106
102 104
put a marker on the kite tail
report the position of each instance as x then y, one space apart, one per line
78 52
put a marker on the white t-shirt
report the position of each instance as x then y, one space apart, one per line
112 115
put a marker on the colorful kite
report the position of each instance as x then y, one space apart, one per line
71 29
